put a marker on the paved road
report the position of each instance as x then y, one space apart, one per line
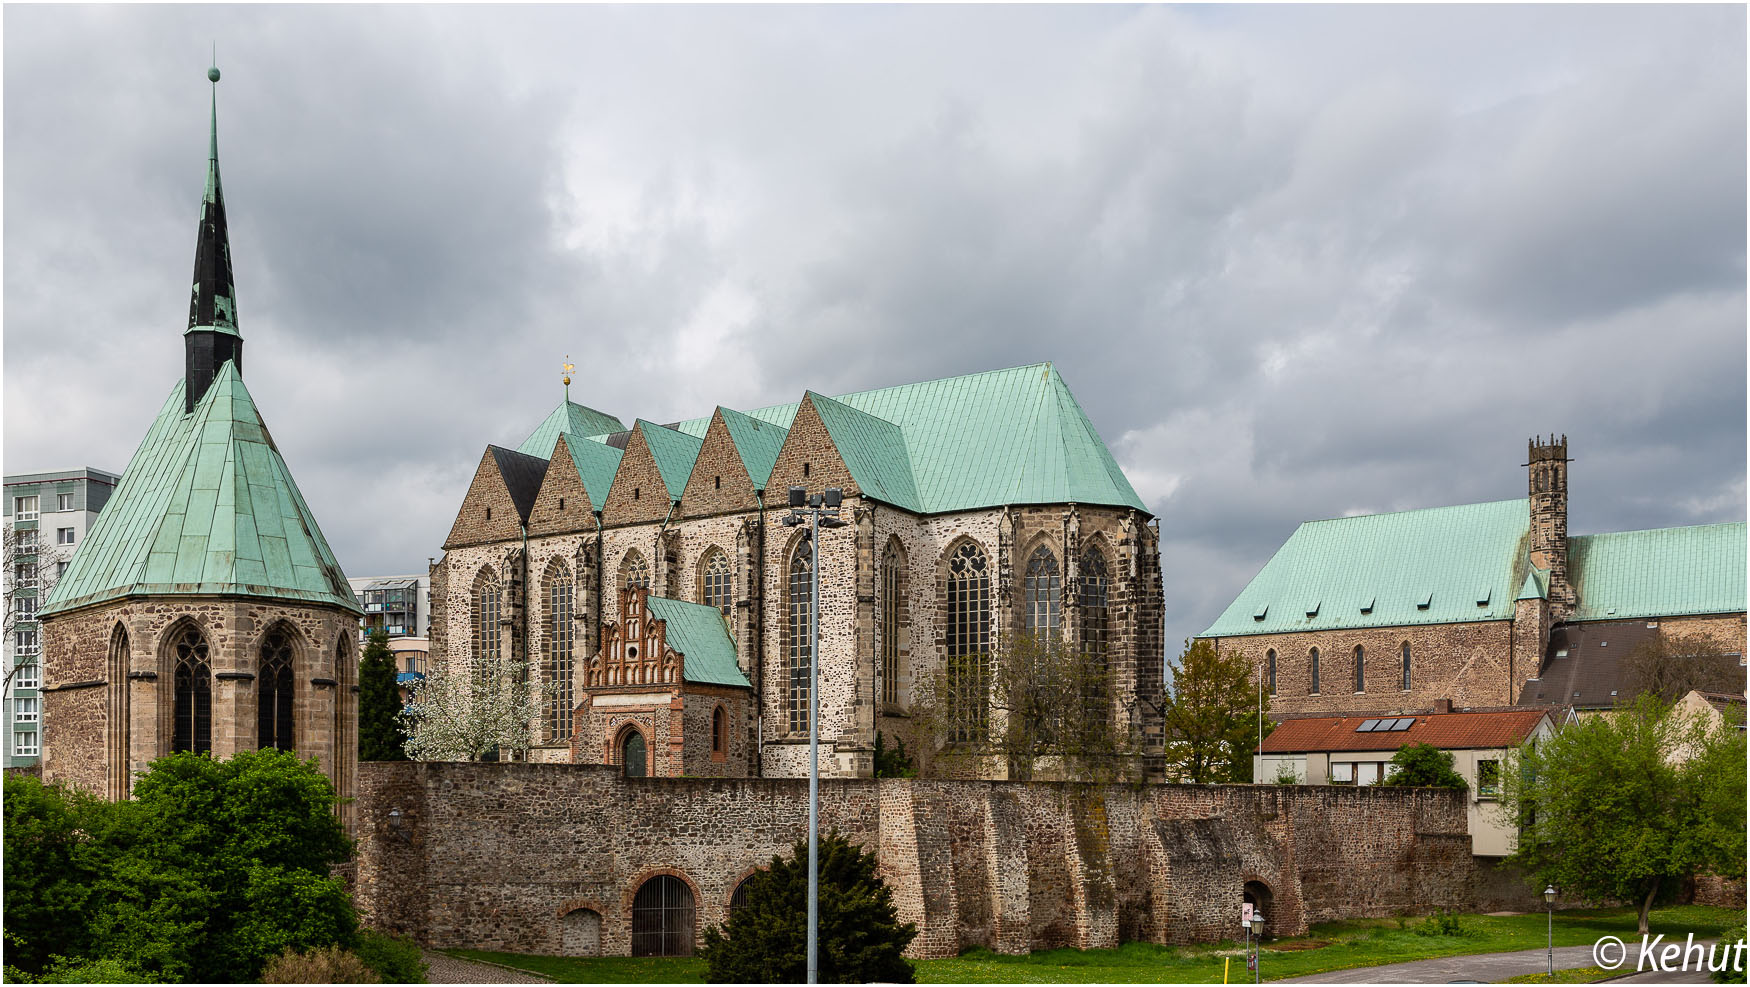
1487 968
450 970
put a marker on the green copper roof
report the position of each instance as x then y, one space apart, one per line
1536 586
206 506
1664 572
1013 436
674 453
701 636
1413 567
568 417
595 464
873 450
757 443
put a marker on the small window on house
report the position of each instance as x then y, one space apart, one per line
634 493
805 467
64 502
717 483
1343 773
63 536
1488 780
489 514
24 709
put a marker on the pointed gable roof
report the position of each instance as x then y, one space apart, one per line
756 442
873 451
570 417
1013 436
522 477
595 463
674 453
208 506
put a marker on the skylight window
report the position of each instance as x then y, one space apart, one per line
1260 612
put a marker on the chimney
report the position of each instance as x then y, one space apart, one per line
1547 485
1442 705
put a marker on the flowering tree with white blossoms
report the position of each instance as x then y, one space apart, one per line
465 712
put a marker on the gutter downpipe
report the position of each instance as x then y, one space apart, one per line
526 619
759 638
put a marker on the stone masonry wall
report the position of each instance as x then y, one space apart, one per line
1005 865
1466 663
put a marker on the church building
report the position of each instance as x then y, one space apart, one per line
976 509
205 611
1478 606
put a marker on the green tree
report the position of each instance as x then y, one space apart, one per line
1627 804
380 735
1670 665
1424 766
892 762
1042 705
212 869
1212 719
861 937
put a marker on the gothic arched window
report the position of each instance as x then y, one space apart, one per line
719 731
120 780
273 691
1360 671
633 753
557 634
487 602
634 571
1406 666
714 581
968 638
1093 592
1314 655
800 650
892 595
193 712
1043 588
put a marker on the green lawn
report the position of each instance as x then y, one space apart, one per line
1359 942
1575 975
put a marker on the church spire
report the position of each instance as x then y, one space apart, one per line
212 337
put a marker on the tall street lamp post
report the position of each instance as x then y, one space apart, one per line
1549 903
818 511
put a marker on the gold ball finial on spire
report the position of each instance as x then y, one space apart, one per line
568 369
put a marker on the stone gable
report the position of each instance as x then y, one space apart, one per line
809 459
719 483
638 495
488 514
563 506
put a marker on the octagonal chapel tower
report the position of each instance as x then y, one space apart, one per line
205 611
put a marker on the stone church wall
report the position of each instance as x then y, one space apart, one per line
1004 865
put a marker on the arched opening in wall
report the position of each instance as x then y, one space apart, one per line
273 690
714 581
662 918
738 898
192 710
557 639
1258 895
634 755
719 734
580 932
120 777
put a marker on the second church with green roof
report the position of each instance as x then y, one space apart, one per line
981 509
205 611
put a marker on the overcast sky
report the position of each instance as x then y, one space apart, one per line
1295 262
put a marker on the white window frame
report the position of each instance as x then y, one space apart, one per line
26 710
1493 792
63 502
1342 772
65 536
29 675
27 539
21 512
26 644
24 744
24 607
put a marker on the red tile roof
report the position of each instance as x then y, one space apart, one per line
1448 731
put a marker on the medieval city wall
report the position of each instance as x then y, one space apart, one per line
496 856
